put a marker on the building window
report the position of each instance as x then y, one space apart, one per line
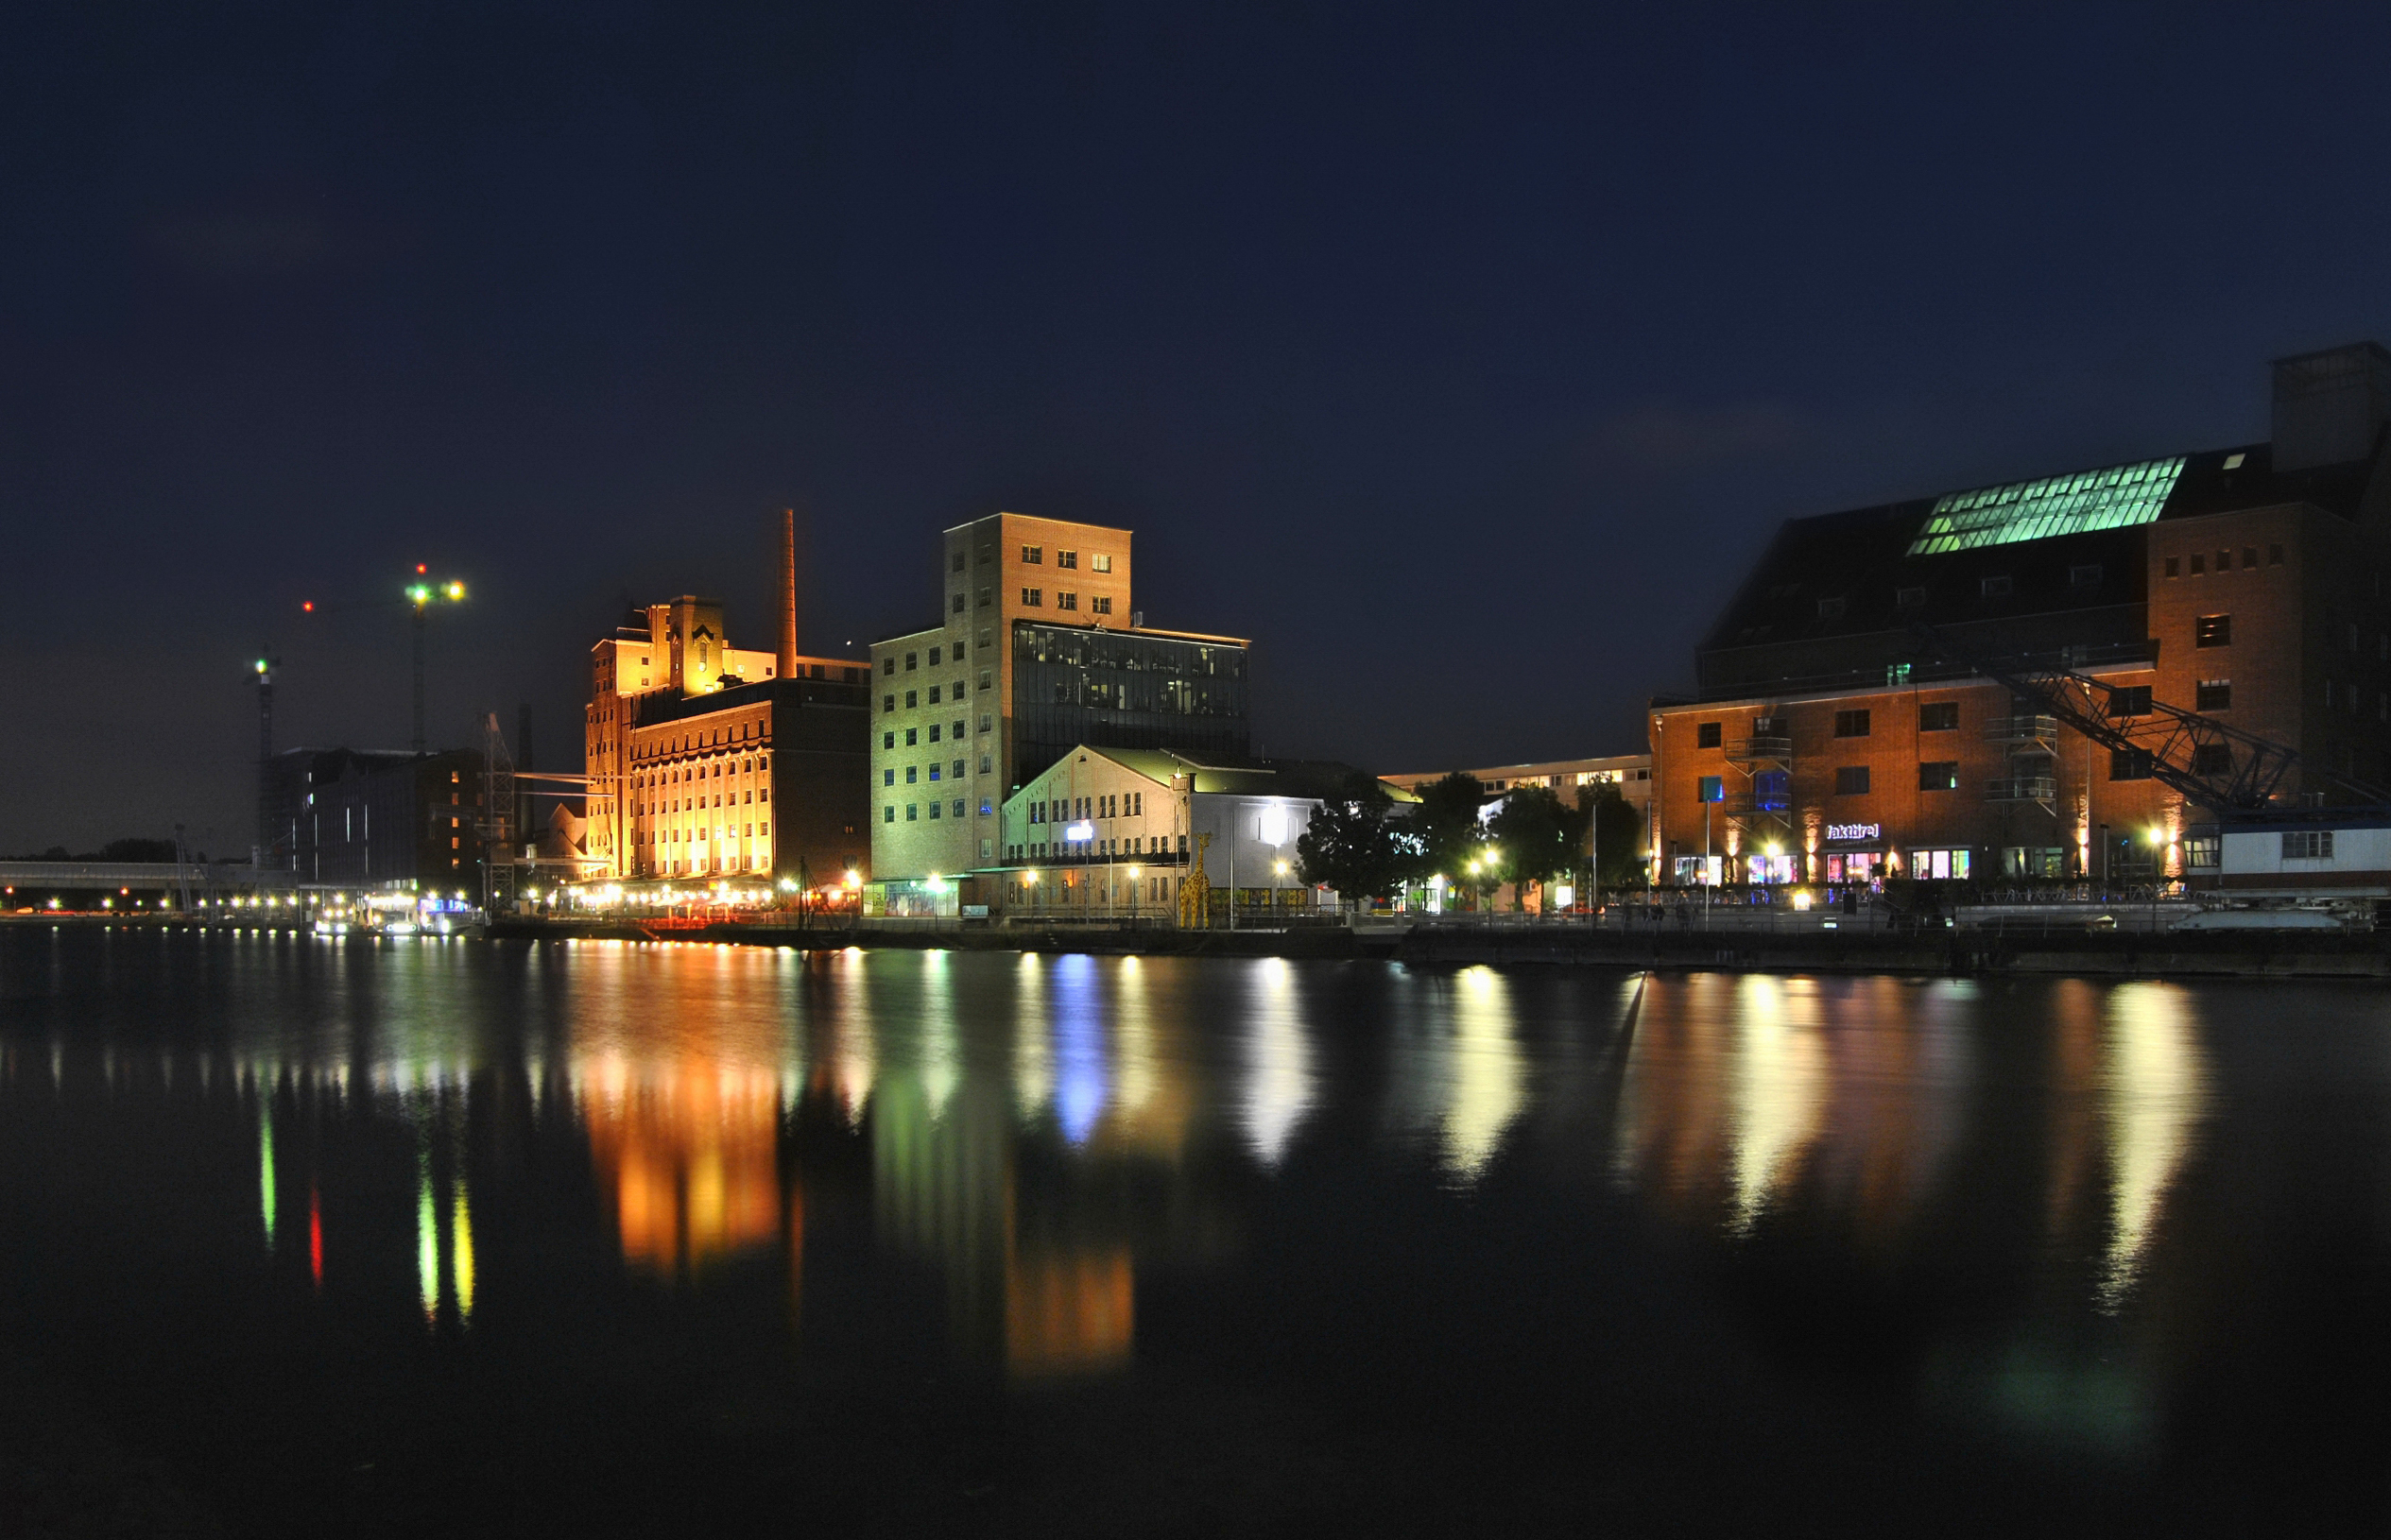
1032 598
958 604
988 681
1831 610
1911 598
887 740
913 813
933 658
958 731
913 661
956 564
1706 735
1711 789
889 815
913 698
2199 564
2213 696
1996 587
1100 604
912 737
958 769
889 776
2129 764
1067 558
2173 565
2353 637
1938 716
911 772
987 764
987 722
988 598
2129 700
933 695
934 805
1066 601
958 808
2212 632
888 703
933 772
2086 575
1100 562
2274 556
1851 780
2249 557
2308 845
984 807
1033 554
1851 723
2212 759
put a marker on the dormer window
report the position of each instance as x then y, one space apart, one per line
1911 598
1995 588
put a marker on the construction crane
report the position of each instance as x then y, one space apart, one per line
423 595
2232 773
420 596
266 664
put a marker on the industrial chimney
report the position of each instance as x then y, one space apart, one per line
788 594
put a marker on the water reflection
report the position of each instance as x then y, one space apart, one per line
1015 1168
2153 1092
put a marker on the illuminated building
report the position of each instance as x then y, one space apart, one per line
1107 831
1037 650
707 759
1826 741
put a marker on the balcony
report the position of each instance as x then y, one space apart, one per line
2042 789
1761 748
2021 729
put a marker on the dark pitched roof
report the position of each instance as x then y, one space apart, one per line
1848 573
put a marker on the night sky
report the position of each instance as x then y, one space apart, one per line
1460 356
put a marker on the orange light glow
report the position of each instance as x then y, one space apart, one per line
689 1152
1068 1314
316 1237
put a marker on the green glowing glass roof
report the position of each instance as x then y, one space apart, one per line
2032 510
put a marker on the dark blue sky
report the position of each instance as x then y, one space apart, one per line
1460 356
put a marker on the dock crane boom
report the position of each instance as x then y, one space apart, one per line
2235 774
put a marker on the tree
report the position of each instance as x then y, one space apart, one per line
1353 846
1535 834
1445 828
1619 830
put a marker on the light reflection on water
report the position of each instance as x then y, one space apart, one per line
1029 1143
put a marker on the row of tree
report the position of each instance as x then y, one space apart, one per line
1365 847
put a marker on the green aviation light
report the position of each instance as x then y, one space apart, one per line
2033 511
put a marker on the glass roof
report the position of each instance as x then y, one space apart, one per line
2032 510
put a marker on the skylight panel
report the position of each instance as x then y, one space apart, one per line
2075 504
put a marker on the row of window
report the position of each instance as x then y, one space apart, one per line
2353 699
1130 845
1032 556
690 804
913 661
1098 604
953 730
738 732
955 771
938 693
1118 805
698 836
2124 702
2172 566
913 811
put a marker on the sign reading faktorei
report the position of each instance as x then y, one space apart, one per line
1853 832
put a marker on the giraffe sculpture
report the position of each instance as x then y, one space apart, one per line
1195 891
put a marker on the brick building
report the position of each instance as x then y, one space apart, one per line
707 759
1826 740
